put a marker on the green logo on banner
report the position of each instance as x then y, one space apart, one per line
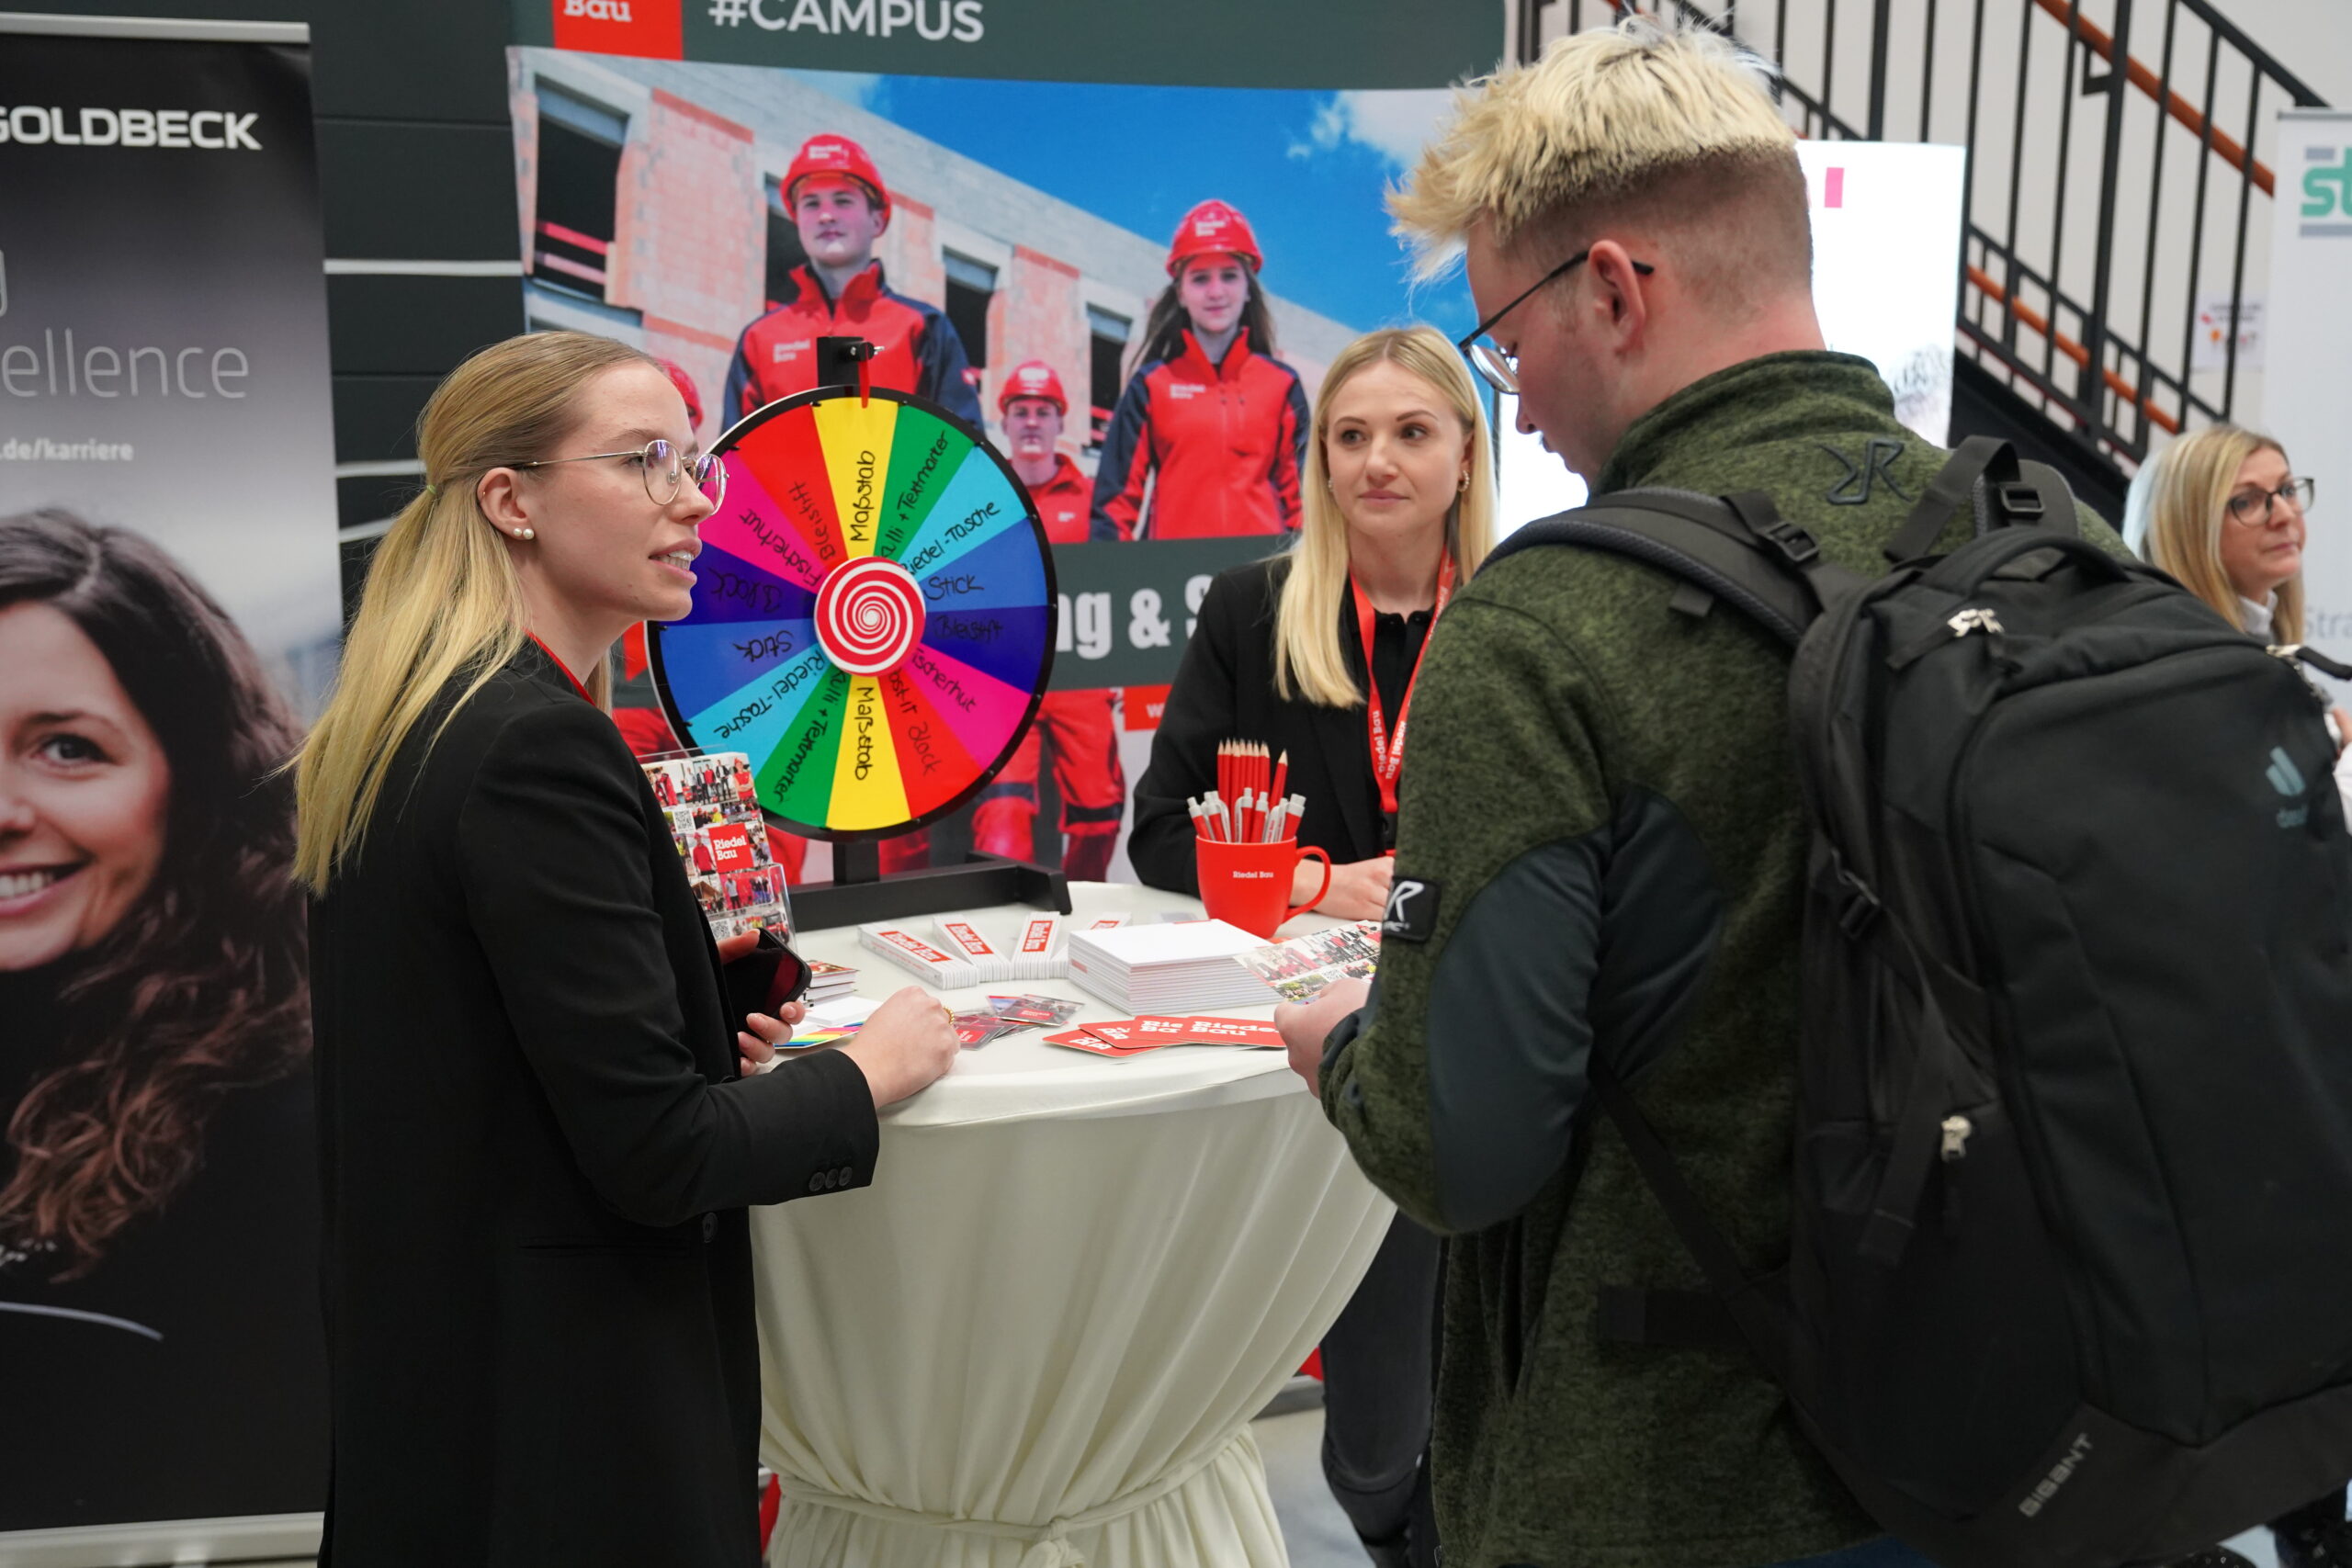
2327 192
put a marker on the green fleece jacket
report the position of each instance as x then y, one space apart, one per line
1601 848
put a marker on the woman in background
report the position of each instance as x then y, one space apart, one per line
2222 510
158 1196
1313 652
1211 419
541 1117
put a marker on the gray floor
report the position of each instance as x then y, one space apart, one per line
1312 1528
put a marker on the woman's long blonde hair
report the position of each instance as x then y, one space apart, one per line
2186 492
442 595
1307 657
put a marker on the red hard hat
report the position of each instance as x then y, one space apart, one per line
686 389
1213 229
829 154
1034 379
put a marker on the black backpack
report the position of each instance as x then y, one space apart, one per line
2071 1273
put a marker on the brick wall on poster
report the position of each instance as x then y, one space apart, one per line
909 251
692 231
1044 318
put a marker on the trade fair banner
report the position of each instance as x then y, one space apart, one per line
169 616
2307 382
1037 156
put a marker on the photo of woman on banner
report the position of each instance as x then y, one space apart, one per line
158 1188
1082 726
1210 421
841 208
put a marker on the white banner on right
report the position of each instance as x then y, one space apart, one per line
2307 391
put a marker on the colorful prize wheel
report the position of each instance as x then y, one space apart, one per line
873 613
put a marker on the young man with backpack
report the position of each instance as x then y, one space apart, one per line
1670 1201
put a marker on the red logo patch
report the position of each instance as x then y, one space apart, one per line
653 28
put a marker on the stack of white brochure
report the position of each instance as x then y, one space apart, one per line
1186 968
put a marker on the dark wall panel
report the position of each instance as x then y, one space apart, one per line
418 326
405 190
375 416
403 60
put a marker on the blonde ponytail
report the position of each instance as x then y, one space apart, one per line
442 596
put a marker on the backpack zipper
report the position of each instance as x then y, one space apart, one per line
1956 1132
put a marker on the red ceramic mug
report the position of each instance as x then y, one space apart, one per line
1249 885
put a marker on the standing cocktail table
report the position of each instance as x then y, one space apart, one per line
1038 1338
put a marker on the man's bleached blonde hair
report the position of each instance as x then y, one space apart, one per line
1607 119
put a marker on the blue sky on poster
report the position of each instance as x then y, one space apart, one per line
1307 168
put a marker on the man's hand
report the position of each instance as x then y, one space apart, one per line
1304 1026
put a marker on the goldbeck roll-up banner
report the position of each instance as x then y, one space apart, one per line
1034 164
169 611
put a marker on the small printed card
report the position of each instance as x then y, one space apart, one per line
1038 1011
716 822
1130 1036
1300 968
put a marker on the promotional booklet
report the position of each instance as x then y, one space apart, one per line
1300 968
715 822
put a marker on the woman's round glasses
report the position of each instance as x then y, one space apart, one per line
2252 509
664 469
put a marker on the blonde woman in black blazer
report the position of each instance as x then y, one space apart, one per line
539 1119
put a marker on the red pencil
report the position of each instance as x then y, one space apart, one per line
1282 777
1265 776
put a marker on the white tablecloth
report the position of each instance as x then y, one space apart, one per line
1038 1339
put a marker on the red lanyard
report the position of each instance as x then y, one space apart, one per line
1387 750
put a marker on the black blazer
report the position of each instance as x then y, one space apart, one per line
536 1160
1225 691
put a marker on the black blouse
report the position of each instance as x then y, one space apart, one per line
1225 691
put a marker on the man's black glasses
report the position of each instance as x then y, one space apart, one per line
1500 369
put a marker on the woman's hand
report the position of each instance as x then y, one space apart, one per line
907 1045
1359 889
1306 1026
755 1043
2342 728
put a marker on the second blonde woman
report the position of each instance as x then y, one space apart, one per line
1313 653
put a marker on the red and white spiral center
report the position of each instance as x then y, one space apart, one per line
869 615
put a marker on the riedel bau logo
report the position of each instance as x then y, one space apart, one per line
212 130
599 10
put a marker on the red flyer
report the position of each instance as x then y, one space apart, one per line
1201 1031
1085 1040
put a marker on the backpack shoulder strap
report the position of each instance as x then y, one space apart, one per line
1736 549
2019 494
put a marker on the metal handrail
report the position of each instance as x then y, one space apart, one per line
2092 359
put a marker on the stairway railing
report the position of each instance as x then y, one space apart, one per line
2117 203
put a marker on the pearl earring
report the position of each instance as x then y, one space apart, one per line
1463 488
526 533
